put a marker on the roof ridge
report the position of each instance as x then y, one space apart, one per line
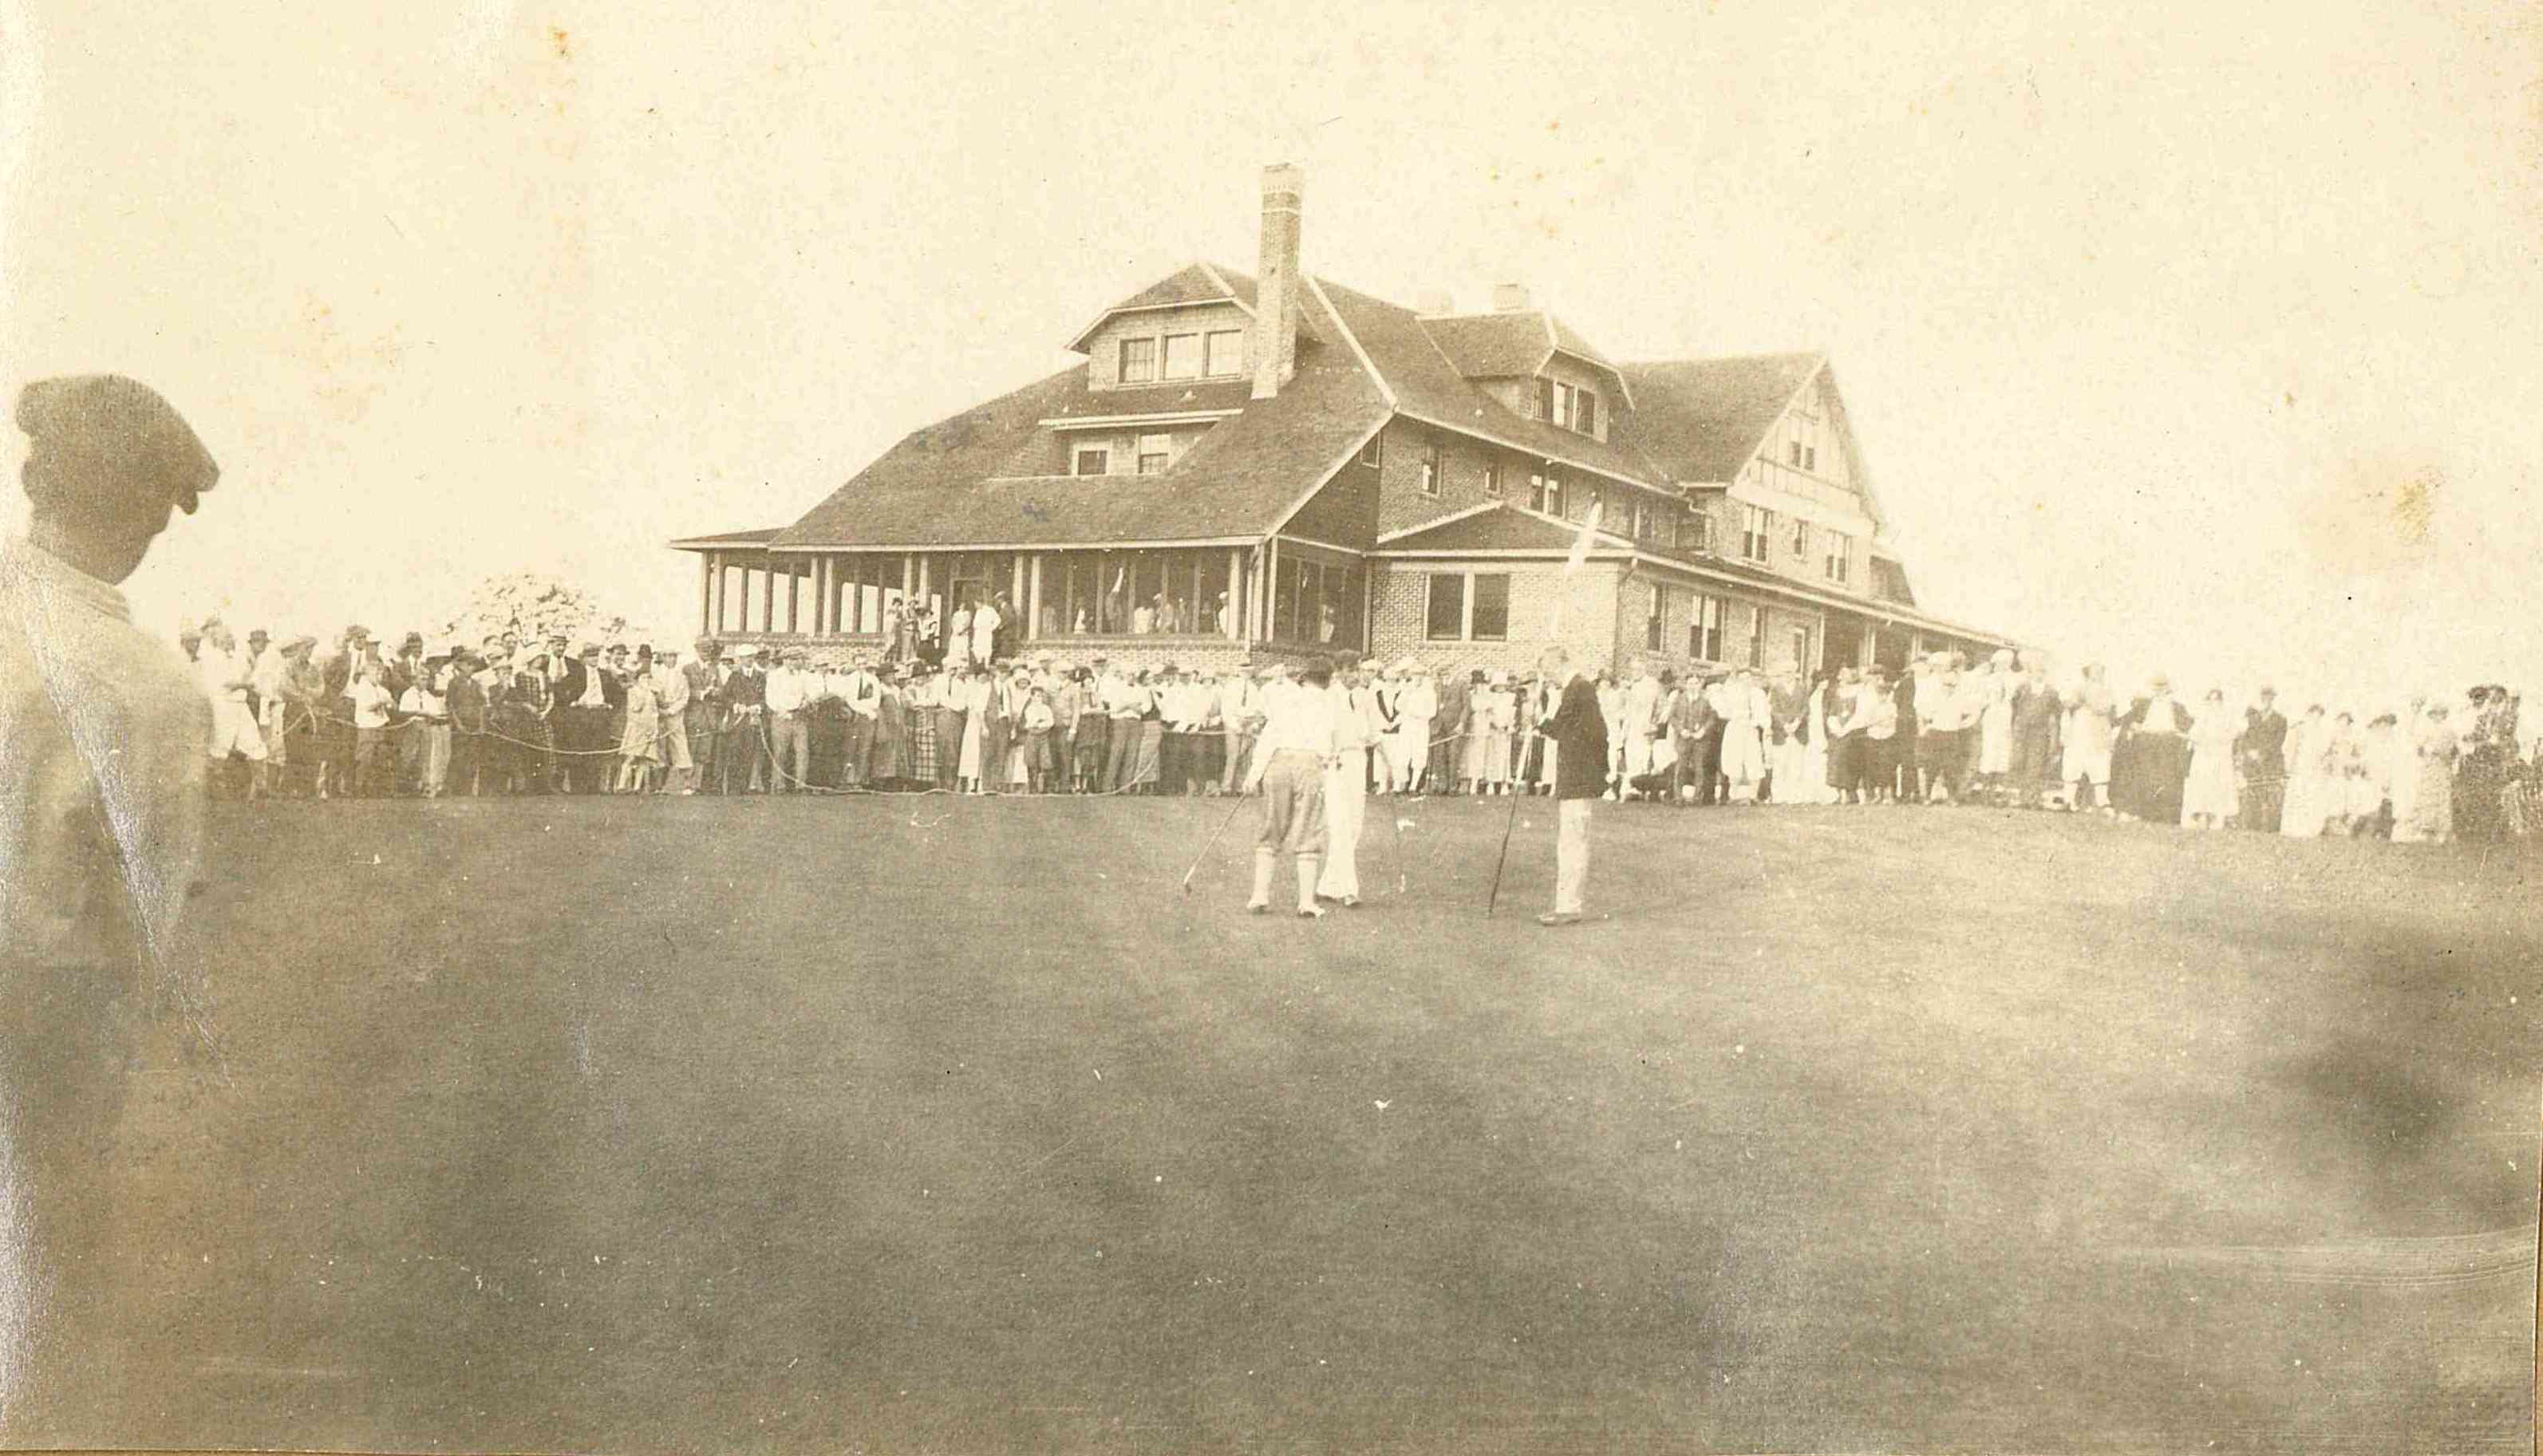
1385 391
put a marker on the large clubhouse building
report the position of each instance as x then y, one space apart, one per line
1277 464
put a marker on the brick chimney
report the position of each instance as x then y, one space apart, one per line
1277 283
1509 298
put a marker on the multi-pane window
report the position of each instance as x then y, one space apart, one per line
1490 619
1183 356
1585 412
1155 451
1839 556
1491 480
1445 619
1703 629
1754 526
1138 360
1431 469
1467 607
1801 538
1226 352
1570 405
1094 461
1801 651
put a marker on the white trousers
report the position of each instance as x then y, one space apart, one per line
1345 806
1408 753
234 727
1571 854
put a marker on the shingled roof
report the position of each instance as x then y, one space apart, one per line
975 478
1499 527
1701 420
1428 386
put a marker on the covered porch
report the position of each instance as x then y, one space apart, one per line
1245 592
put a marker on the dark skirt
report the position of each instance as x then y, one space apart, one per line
1094 740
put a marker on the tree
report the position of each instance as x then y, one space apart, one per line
533 607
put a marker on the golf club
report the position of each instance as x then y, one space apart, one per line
1233 811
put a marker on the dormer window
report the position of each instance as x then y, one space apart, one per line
1569 406
1138 361
1094 461
1226 349
1183 356
1154 453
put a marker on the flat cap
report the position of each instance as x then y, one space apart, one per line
102 441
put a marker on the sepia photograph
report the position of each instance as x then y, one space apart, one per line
1696 727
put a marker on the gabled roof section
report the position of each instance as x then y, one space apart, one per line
1701 420
1194 282
1428 387
963 481
1505 346
1501 526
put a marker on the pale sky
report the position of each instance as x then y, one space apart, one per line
2203 337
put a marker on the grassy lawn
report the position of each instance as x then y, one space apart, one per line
937 1125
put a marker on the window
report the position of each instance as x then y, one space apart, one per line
1810 457
1585 501
1644 523
1703 629
1756 635
1373 454
1588 414
1801 651
1792 449
1567 404
1226 352
1491 607
1545 494
1652 623
1752 532
1839 555
1138 360
1183 356
1446 617
1154 450
1092 461
1695 529
1493 479
1801 538
1544 398
1430 470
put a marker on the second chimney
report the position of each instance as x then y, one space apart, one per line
1509 298
1277 283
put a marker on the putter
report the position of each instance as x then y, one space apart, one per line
1233 811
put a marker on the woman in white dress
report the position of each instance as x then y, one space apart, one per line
2434 748
2207 797
1356 732
971 695
2309 789
1995 721
1500 716
1811 785
1020 765
957 640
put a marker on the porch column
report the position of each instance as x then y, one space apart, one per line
1236 594
924 585
794 593
1016 593
705 592
908 585
1032 600
767 596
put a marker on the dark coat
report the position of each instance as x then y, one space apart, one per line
1579 733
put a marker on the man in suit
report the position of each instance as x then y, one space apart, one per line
1579 733
741 750
586 706
470 717
703 718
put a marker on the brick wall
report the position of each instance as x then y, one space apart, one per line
1399 596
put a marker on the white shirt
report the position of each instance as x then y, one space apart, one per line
984 631
1641 698
861 692
788 690
1302 720
219 670
1240 702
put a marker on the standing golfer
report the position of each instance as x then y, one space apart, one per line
1579 733
1298 743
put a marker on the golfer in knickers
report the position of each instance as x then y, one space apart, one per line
1296 746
